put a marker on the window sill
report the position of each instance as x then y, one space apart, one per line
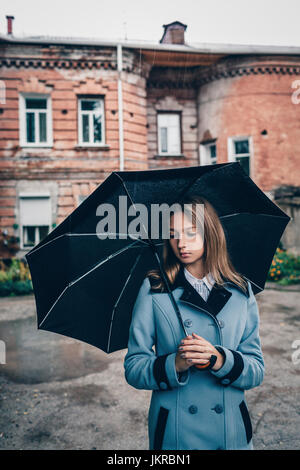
92 147
38 146
177 155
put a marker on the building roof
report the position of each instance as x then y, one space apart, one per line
196 48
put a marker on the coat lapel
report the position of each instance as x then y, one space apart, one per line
217 299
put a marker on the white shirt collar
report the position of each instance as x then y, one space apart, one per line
195 280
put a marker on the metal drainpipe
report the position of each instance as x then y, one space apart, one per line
120 106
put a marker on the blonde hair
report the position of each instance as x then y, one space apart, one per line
216 259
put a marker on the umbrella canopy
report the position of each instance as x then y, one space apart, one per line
85 287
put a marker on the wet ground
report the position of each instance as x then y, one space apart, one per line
58 393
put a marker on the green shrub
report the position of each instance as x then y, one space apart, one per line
15 277
285 268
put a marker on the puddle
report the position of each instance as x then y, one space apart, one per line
36 356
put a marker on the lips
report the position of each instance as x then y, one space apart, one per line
184 253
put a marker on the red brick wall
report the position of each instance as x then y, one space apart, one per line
75 170
248 105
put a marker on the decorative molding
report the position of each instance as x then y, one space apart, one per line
90 86
34 85
230 70
227 69
58 63
168 103
130 64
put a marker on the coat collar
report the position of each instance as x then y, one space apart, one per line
216 300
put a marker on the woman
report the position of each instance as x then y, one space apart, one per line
194 408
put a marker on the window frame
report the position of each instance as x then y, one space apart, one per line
204 156
169 154
21 225
36 229
81 143
22 120
231 153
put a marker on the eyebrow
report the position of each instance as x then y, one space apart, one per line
187 228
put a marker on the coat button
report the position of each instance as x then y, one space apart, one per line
188 322
193 409
225 381
163 385
221 324
218 409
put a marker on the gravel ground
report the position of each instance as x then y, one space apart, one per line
58 393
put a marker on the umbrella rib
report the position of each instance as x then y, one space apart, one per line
47 243
242 213
83 234
106 233
118 300
260 288
85 274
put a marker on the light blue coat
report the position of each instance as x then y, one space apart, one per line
197 409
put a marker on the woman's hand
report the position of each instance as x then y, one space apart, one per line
196 350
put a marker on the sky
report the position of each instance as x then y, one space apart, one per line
256 22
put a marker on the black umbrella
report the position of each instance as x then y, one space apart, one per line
85 287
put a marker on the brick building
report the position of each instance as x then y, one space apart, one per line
72 111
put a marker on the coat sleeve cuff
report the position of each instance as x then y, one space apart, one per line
232 367
165 373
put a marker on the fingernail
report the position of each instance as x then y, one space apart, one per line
180 349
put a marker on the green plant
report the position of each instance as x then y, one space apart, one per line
15 277
285 268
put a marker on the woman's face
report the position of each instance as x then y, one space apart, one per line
186 243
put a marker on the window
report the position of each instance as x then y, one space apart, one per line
35 121
91 121
208 153
35 219
239 150
169 141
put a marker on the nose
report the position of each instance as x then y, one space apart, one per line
181 242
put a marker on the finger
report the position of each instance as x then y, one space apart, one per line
196 355
193 341
197 336
194 347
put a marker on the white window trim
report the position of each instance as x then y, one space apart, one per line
22 246
21 226
80 136
204 158
169 154
22 120
231 153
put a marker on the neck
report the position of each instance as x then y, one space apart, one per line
196 269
